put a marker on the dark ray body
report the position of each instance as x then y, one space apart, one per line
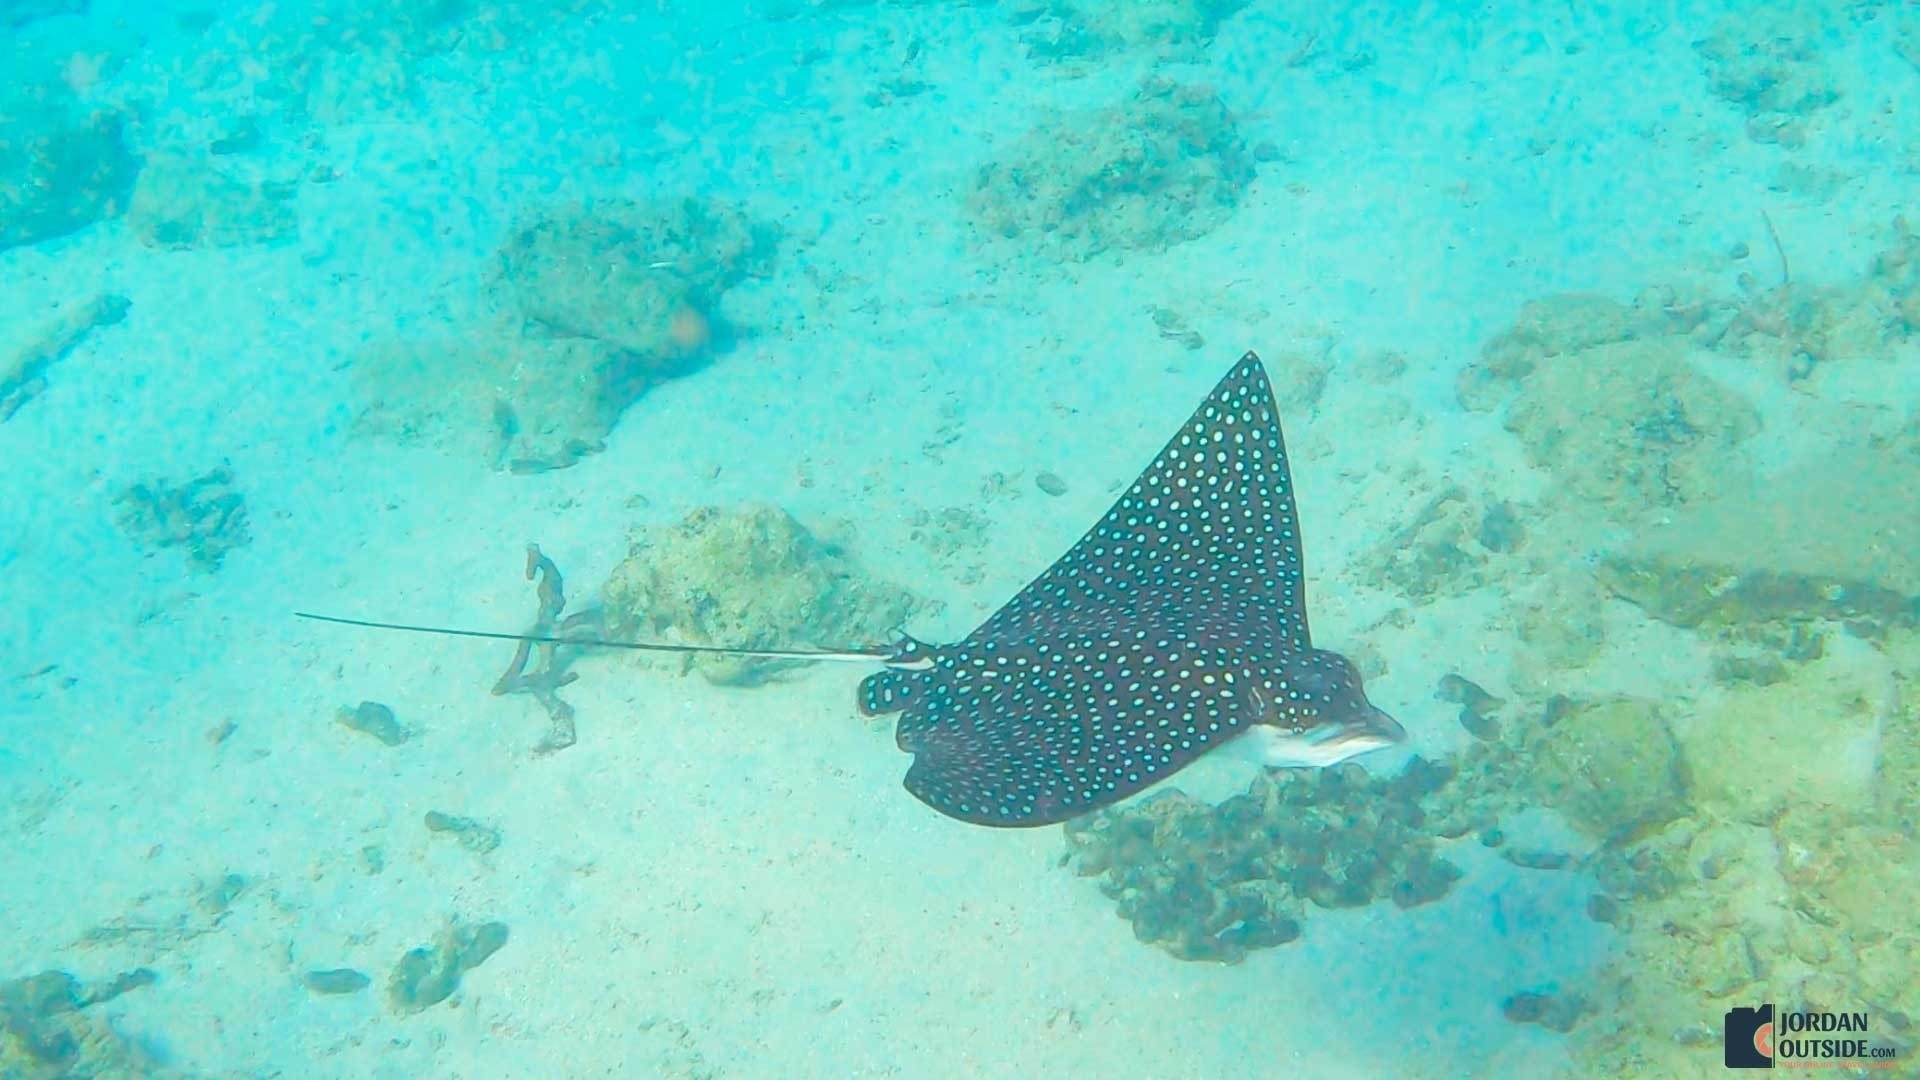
1175 625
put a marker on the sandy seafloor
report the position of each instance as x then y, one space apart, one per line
730 882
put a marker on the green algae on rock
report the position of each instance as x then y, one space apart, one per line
1811 739
748 576
1832 538
1796 878
1166 166
1732 864
1631 426
1815 907
592 306
1612 767
1705 923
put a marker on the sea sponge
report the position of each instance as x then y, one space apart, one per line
1217 882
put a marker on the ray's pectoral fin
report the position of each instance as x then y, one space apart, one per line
1001 774
890 691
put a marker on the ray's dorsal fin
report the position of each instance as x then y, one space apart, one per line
868 654
1212 518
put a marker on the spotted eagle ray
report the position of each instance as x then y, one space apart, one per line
1175 626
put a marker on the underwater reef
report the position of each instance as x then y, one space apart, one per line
1733 851
748 576
1062 30
50 1031
1752 836
1766 874
64 164
592 306
1217 882
1164 166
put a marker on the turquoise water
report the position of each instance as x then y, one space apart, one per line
1595 334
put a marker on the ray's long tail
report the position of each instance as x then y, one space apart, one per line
861 655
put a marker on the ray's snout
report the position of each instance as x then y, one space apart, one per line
1331 741
1326 719
1370 729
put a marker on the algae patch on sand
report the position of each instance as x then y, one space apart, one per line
429 975
206 516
